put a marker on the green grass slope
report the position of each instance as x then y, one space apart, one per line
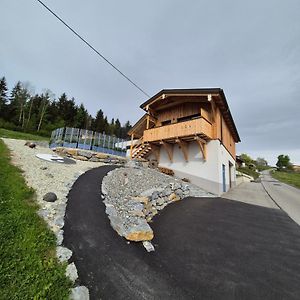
21 135
28 266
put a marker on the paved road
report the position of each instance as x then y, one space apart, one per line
206 248
286 196
251 193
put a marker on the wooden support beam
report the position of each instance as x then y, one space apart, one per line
169 149
202 146
184 148
131 145
148 121
214 117
213 110
200 139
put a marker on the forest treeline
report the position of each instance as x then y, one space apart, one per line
22 109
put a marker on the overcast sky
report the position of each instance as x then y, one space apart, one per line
251 49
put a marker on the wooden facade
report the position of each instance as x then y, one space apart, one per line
181 116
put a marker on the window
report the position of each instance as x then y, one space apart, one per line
187 118
167 122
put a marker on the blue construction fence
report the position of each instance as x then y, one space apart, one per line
88 140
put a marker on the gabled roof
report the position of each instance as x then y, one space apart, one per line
220 101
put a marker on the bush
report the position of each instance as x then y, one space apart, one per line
249 172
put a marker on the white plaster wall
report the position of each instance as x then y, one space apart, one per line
205 173
225 158
199 171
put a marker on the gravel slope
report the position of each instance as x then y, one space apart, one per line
46 177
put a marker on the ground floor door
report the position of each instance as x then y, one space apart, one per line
224 177
230 165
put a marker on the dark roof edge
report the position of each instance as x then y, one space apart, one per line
230 115
197 91
181 91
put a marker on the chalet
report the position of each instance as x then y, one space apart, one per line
192 132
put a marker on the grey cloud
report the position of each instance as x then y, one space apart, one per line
251 49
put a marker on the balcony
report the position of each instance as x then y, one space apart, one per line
183 130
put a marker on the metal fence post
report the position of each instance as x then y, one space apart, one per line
92 135
104 138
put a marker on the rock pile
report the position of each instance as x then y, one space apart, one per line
134 195
86 155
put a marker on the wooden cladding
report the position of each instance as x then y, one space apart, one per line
172 114
177 130
223 133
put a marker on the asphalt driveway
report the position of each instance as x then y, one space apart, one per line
206 248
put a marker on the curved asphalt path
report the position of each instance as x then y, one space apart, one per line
206 248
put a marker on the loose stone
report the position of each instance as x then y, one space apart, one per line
71 272
63 254
80 293
50 197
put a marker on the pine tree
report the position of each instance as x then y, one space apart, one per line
13 106
80 117
99 122
117 128
125 130
106 126
3 96
112 127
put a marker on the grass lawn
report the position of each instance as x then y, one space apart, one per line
21 135
249 172
28 266
289 178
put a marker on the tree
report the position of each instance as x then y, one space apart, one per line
283 162
3 95
99 122
125 130
260 161
106 126
80 117
117 128
13 106
247 159
46 101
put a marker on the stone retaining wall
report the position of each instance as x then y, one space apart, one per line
86 155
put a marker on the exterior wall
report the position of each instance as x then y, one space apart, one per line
179 111
225 158
206 174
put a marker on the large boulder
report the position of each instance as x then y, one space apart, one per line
174 197
72 152
101 155
80 157
86 154
139 232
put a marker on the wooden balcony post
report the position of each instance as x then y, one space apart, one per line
131 145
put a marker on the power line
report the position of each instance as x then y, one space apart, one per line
90 46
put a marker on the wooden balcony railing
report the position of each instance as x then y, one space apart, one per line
179 130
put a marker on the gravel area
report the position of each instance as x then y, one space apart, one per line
135 180
46 177
134 195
